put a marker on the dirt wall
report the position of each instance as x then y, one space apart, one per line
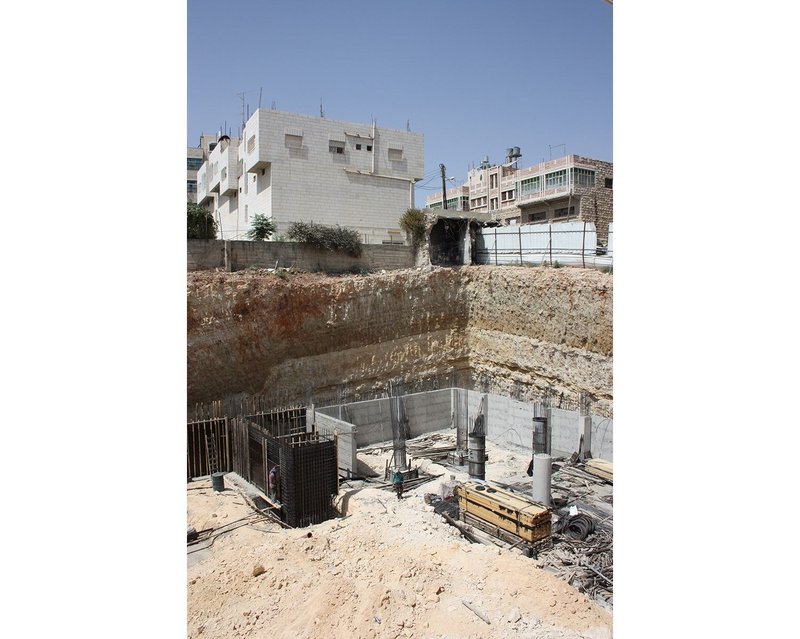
501 327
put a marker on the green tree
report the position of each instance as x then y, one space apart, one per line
200 224
413 223
263 228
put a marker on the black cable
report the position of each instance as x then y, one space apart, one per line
576 526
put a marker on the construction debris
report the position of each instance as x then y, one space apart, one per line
601 468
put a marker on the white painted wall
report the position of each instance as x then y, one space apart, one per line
572 244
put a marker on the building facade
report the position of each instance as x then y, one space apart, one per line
291 167
565 189
195 156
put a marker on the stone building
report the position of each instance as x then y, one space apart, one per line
565 189
291 167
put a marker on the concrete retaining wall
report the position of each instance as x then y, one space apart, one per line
602 438
509 423
210 254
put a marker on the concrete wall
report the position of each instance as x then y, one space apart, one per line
602 438
509 422
426 412
210 254
346 441
204 254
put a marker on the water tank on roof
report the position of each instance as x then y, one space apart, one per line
516 153
509 152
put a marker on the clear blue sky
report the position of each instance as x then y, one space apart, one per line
474 77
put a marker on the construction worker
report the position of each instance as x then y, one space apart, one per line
397 481
273 483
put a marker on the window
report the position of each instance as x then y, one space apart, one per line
395 155
539 216
526 187
582 177
369 147
505 196
478 202
194 163
191 186
336 146
212 146
358 147
251 143
555 179
564 212
493 180
493 202
293 141
608 183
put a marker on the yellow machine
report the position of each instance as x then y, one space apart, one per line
500 512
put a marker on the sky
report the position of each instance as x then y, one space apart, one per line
474 77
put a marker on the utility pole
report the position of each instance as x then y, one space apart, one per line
444 188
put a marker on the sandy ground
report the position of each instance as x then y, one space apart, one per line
388 568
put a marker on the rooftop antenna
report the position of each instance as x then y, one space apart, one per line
321 112
259 96
555 146
408 125
274 105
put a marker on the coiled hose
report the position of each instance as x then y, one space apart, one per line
576 526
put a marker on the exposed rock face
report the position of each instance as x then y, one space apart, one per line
500 327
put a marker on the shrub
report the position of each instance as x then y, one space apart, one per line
200 224
330 238
263 228
413 223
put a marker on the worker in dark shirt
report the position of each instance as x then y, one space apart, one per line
397 481
273 483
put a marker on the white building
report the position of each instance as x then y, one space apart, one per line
195 156
292 167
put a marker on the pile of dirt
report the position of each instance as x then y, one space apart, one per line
388 568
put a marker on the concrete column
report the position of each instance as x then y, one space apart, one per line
585 431
486 414
549 414
541 479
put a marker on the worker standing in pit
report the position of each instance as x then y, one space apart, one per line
397 480
273 483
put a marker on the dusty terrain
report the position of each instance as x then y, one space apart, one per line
507 330
387 568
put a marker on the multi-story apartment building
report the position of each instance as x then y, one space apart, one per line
195 156
291 167
565 189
